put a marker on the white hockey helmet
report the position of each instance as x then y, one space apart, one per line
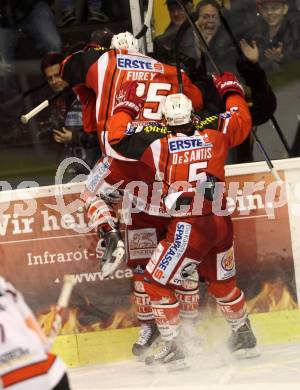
125 40
177 109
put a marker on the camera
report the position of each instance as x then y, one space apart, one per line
54 122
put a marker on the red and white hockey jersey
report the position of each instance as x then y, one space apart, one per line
178 158
24 361
105 75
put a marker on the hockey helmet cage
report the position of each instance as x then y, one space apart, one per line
177 109
125 40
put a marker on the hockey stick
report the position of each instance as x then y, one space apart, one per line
147 22
178 68
218 71
241 55
62 304
26 117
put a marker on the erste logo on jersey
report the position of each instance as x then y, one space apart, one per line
181 144
130 62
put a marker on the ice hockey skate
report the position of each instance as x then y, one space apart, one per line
169 356
148 337
242 342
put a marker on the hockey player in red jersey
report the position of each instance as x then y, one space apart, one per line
145 228
100 85
98 78
190 163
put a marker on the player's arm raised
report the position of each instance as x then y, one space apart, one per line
236 122
128 140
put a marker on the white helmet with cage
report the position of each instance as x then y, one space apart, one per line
125 40
177 109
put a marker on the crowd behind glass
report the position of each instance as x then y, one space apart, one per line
36 34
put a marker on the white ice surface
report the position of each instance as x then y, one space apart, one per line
277 368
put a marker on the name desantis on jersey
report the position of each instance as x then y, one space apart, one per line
130 62
202 154
189 149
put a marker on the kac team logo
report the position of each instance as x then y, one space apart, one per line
226 115
227 261
130 129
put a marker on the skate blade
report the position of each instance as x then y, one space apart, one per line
176 365
247 353
109 268
148 351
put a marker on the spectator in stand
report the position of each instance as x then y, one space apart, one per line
234 11
34 18
219 42
263 100
164 43
95 12
277 34
65 120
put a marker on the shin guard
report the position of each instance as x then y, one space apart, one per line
167 319
234 308
165 309
188 303
142 300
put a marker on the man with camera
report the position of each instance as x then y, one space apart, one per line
65 120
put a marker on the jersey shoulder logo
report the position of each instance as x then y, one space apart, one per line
207 122
226 115
156 128
180 144
130 129
140 63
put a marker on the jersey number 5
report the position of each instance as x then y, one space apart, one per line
195 171
156 94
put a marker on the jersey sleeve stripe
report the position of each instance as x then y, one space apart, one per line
117 78
156 151
102 66
109 151
225 126
27 372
